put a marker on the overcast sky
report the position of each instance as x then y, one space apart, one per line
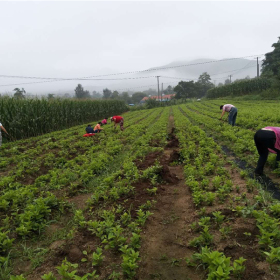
77 39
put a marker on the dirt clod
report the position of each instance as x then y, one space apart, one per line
75 254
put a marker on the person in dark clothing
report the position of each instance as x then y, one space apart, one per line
89 129
267 140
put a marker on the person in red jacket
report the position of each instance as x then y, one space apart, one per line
116 120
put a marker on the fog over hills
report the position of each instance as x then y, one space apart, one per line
219 72
170 74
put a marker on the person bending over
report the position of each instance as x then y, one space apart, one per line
104 121
118 120
267 140
232 110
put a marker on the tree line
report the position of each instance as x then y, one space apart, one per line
128 97
268 84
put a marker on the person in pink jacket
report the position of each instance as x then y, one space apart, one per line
104 121
267 140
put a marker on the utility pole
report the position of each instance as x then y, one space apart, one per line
161 91
158 85
230 78
258 69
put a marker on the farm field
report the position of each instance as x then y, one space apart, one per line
170 197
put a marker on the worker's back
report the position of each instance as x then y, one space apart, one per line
89 129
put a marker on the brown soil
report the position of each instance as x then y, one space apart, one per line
164 241
167 233
80 200
83 240
147 161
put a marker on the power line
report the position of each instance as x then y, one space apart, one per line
131 72
176 66
134 78
76 79
127 88
245 67
81 79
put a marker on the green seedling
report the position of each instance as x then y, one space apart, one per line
204 221
274 255
84 259
152 191
225 231
48 276
97 257
218 217
237 188
238 267
202 211
175 262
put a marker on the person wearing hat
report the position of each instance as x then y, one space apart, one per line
232 110
116 120
2 128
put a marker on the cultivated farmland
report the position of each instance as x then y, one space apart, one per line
170 197
31 117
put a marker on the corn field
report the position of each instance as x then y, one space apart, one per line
240 88
32 117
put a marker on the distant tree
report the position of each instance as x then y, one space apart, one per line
106 93
50 96
125 96
220 84
115 95
204 84
271 63
81 93
137 97
86 94
19 93
168 90
186 90
152 103
227 81
96 94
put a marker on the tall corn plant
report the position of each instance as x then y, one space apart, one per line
31 117
240 88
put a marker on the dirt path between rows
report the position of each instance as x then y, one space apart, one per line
163 248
